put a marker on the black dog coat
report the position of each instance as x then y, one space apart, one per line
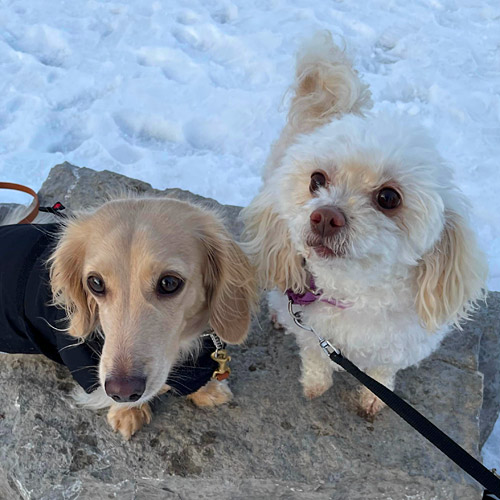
30 325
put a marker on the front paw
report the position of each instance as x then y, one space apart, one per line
128 420
275 322
314 389
369 405
213 393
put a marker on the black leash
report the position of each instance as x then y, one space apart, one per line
421 424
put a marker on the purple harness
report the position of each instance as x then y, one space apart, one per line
313 295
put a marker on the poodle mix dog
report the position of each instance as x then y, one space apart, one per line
132 288
359 211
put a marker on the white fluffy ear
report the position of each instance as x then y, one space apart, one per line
451 277
266 240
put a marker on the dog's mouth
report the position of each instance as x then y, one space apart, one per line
327 248
323 251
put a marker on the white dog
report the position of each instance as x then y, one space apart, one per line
362 208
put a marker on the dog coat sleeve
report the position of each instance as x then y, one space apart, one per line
29 324
47 329
191 374
20 247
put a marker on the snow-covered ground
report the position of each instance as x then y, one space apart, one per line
189 93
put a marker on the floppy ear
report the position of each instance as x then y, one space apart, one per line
451 277
230 283
66 274
267 242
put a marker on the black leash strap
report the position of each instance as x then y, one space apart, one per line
426 428
437 437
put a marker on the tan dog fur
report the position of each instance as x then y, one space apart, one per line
130 244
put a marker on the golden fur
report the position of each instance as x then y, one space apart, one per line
130 243
451 276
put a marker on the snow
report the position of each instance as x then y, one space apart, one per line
189 93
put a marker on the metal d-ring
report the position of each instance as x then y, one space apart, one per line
323 343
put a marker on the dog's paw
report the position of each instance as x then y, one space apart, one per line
314 390
127 421
164 389
369 405
213 393
274 321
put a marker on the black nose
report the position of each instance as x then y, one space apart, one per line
125 389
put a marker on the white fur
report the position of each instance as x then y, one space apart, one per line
409 273
96 400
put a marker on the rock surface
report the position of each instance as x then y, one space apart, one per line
268 443
489 365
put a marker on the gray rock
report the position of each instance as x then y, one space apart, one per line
489 365
268 443
5 208
83 188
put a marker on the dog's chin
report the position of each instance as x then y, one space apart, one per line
324 249
324 252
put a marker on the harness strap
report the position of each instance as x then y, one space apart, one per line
55 209
35 204
422 425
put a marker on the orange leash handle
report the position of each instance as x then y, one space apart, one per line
34 205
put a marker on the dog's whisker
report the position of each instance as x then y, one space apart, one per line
175 377
64 330
70 346
94 350
81 368
180 384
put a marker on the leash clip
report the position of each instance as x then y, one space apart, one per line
220 356
327 347
223 372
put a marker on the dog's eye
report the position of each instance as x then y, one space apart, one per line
167 285
388 198
96 285
318 180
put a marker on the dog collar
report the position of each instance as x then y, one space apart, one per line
312 295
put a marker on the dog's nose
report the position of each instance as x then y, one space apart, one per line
125 389
326 221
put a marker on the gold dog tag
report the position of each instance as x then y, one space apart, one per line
223 359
